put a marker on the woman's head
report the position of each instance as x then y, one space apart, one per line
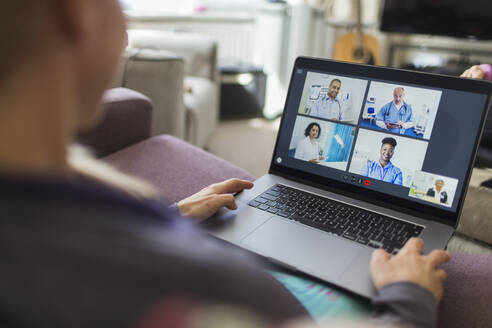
387 149
19 21
84 38
313 130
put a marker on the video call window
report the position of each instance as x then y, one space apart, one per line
387 157
333 97
433 188
322 142
404 110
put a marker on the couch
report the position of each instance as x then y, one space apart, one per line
179 72
178 169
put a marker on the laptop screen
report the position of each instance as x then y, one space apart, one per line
394 136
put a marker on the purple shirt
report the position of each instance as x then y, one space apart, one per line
487 70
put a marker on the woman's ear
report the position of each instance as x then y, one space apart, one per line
76 18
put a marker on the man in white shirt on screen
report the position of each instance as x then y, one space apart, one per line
329 106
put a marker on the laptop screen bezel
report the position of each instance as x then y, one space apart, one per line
372 196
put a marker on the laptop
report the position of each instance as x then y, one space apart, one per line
365 157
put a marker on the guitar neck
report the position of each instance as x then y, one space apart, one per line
358 26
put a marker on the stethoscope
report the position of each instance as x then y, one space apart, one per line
327 99
400 113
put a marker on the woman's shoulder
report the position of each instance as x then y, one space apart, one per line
303 140
395 168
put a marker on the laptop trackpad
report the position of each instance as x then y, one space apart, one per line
302 247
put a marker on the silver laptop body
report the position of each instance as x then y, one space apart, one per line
349 178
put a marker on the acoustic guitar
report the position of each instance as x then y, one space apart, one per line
357 47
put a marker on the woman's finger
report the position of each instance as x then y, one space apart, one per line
379 257
231 186
413 245
438 257
441 275
223 200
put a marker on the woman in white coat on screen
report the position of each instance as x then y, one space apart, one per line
309 149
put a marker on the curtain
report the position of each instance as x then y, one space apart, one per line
339 143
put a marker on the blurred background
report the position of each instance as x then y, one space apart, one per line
257 42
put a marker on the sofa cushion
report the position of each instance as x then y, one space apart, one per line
476 219
467 292
176 167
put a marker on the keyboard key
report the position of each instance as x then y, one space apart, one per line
296 217
273 193
349 235
387 235
272 210
374 244
362 240
263 207
388 248
269 197
261 200
342 226
378 238
254 203
283 214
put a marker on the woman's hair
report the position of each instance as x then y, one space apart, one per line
19 22
390 141
310 126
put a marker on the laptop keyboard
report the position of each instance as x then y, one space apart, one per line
350 222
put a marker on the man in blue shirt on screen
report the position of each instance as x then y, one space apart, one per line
329 106
395 116
383 169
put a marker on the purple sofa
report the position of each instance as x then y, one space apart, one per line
179 169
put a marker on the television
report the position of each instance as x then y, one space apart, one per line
470 19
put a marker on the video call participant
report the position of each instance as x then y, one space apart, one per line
309 149
329 106
438 193
395 116
383 169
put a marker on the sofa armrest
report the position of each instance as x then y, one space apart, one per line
177 168
126 120
202 114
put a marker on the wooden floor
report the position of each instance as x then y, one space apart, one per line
247 143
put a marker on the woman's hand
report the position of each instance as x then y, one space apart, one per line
474 72
409 265
209 200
